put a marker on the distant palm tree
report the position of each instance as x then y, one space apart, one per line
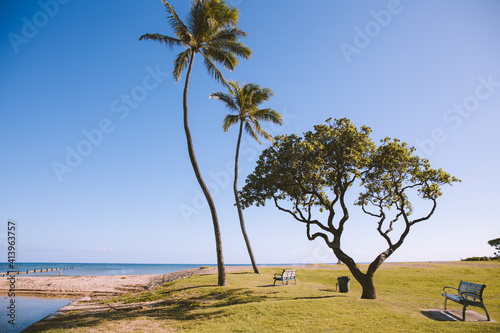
245 101
212 31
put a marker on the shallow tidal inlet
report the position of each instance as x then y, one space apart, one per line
28 310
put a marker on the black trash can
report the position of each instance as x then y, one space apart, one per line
343 283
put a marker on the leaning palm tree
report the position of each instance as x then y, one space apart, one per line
244 102
212 31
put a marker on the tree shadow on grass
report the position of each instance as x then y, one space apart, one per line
318 297
329 290
175 309
272 285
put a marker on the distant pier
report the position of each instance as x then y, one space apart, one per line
18 272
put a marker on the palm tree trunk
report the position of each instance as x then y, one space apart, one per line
238 205
218 241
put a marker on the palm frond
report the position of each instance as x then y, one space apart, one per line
225 15
235 91
261 95
218 16
265 94
235 85
213 70
195 18
269 115
247 92
226 99
239 49
225 58
229 34
248 87
180 63
180 29
207 17
266 136
250 131
169 41
230 120
258 128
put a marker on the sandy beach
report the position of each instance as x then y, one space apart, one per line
108 285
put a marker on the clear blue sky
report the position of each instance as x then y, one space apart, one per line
75 78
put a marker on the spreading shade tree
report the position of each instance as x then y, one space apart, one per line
496 244
310 178
211 30
244 102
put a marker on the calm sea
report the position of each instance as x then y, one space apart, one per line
79 269
29 310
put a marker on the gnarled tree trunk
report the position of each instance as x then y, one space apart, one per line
364 279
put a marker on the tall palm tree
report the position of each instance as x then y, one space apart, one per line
244 102
212 31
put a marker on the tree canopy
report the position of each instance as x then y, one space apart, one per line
308 177
211 29
496 244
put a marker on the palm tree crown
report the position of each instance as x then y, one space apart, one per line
211 30
245 101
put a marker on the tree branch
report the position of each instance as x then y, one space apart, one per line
316 235
301 218
331 216
344 218
300 211
428 216
370 213
288 211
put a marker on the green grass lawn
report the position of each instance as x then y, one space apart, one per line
251 304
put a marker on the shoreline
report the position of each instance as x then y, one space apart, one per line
100 285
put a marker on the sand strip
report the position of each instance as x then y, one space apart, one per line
108 285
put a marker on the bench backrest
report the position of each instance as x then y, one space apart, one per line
288 273
471 290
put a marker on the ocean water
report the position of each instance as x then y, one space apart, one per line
29 310
88 269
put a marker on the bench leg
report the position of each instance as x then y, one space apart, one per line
445 299
463 312
487 314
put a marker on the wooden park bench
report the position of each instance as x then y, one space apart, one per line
286 276
468 293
